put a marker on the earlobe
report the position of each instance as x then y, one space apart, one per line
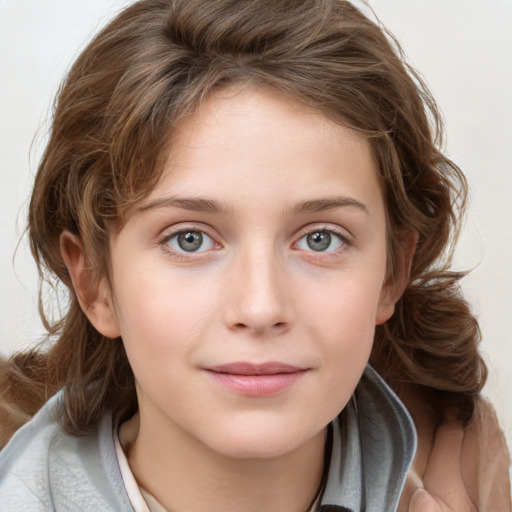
92 293
385 310
395 287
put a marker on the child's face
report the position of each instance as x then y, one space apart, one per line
262 249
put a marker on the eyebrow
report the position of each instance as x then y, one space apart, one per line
328 203
196 204
200 204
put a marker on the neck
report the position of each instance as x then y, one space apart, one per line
185 475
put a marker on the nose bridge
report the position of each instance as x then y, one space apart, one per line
259 301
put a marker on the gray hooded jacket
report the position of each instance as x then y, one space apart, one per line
44 469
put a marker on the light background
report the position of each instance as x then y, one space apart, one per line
462 48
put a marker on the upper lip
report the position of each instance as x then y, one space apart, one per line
245 368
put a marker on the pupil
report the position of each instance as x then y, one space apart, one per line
319 241
190 241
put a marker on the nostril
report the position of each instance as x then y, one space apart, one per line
243 326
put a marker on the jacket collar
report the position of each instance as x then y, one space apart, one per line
374 442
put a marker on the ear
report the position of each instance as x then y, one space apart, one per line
93 294
395 286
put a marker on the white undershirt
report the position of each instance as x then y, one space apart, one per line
139 502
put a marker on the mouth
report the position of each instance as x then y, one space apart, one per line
255 380
243 368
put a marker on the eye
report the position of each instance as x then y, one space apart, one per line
321 241
190 241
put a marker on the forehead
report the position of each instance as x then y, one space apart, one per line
250 109
263 139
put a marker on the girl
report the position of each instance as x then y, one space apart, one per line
247 205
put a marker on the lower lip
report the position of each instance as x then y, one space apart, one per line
257 385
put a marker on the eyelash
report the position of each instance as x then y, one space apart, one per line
163 242
345 240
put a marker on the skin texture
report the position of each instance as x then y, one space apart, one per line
255 173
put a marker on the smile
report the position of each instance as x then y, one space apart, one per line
256 379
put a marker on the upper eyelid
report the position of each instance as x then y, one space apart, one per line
172 234
168 235
337 230
172 231
347 240
342 237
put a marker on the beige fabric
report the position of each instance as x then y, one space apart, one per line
466 469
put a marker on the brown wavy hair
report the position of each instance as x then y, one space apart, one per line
139 77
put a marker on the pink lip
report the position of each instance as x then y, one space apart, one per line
256 379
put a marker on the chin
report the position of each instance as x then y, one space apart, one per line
256 448
260 440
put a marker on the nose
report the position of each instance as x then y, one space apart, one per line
258 298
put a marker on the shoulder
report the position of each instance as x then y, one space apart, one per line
467 468
43 468
485 461
23 463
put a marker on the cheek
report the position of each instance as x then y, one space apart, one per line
342 319
162 315
348 302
